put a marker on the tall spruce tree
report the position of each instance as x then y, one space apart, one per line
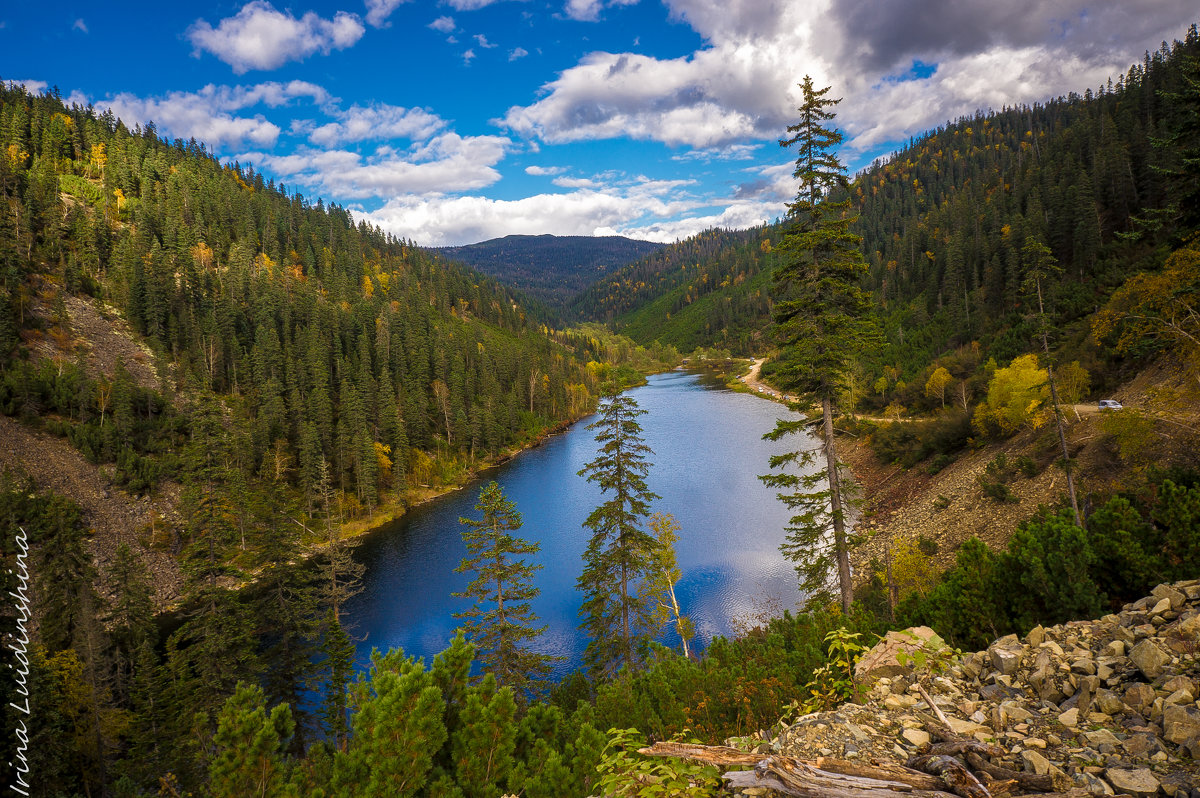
620 550
501 623
822 320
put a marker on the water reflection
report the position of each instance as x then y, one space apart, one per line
708 451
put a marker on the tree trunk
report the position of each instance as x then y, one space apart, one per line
836 506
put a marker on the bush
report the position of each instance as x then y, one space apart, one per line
910 442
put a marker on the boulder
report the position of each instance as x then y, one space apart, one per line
1138 782
1149 659
894 654
1180 723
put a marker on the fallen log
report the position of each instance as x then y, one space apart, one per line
791 776
712 754
1027 782
886 773
964 745
960 780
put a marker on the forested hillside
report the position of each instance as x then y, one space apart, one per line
709 290
551 268
288 370
1093 176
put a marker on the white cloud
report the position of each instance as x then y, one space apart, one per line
80 26
483 41
469 5
447 163
444 25
31 86
589 10
208 114
468 56
377 122
544 171
517 52
261 37
741 85
622 207
187 115
574 182
378 11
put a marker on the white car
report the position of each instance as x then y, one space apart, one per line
1110 404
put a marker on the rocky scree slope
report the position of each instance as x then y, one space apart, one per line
1098 707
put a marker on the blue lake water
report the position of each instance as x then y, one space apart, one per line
708 451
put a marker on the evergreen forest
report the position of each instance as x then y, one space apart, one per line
292 377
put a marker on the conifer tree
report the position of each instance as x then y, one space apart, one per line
501 623
1040 267
822 320
250 745
619 551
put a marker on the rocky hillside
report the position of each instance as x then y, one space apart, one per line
1098 707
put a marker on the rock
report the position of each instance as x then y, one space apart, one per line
1095 785
893 655
1036 636
1069 718
1139 782
899 702
1162 607
1180 683
915 737
1180 723
1035 762
1149 659
1005 660
965 727
1169 593
1139 696
1189 629
1101 737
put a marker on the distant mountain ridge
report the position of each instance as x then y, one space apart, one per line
551 268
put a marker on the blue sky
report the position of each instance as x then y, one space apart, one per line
461 120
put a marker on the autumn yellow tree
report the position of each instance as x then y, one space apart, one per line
937 383
1162 307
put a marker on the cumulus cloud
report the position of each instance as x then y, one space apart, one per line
517 52
544 171
468 56
444 25
483 41
378 11
449 221
741 85
187 115
469 5
623 206
589 10
261 37
80 26
447 163
377 122
209 115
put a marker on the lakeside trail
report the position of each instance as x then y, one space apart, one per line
750 380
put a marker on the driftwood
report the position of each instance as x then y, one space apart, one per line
961 781
1026 782
712 754
934 707
957 747
794 777
885 773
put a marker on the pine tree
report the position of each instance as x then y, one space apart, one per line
501 623
620 550
822 320
250 745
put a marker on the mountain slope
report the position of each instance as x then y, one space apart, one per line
550 268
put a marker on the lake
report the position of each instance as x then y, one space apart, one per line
708 451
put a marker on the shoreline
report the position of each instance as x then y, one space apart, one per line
393 511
